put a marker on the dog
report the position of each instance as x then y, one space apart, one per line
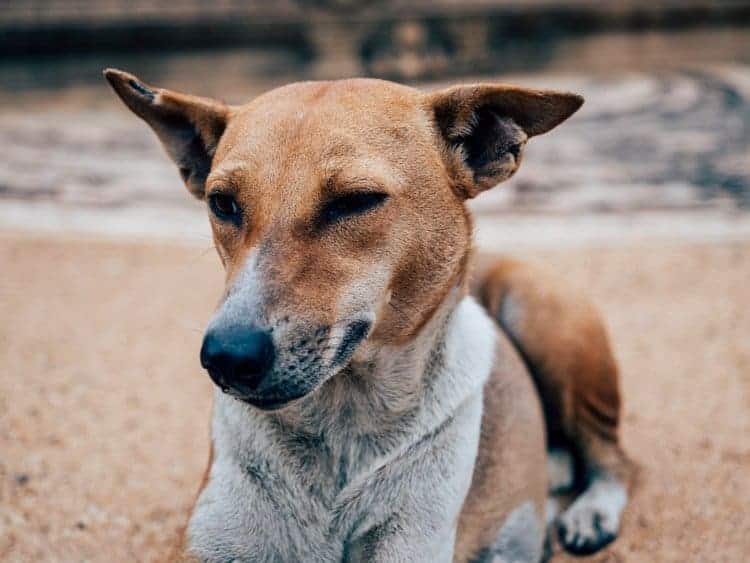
367 407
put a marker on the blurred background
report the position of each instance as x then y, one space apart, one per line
107 274
664 128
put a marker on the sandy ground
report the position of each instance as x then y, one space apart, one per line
104 409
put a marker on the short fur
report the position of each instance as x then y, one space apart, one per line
405 425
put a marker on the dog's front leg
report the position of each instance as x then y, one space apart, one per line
408 509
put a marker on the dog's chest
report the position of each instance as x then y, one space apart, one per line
300 504
251 522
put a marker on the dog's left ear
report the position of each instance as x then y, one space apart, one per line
189 127
483 129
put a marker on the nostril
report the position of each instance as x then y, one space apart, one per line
250 374
210 349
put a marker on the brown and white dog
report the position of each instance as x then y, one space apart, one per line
367 408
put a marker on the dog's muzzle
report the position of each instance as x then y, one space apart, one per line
270 369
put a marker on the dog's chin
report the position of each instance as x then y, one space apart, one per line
273 404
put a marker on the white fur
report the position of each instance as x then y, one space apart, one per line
596 513
243 299
309 485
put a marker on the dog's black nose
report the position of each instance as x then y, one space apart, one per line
237 357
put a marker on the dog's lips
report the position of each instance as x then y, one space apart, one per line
244 395
268 404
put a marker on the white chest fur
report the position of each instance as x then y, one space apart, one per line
281 491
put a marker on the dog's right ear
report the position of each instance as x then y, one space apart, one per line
189 127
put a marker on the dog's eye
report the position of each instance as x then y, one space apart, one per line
351 204
224 206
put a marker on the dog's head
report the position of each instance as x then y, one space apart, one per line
338 211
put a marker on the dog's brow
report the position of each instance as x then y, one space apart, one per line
341 183
370 174
226 173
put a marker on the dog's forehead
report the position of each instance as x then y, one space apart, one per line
315 120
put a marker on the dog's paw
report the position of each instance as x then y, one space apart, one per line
584 529
593 520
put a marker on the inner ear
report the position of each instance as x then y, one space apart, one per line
485 127
191 150
489 139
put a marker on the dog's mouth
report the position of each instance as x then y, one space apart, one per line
246 395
